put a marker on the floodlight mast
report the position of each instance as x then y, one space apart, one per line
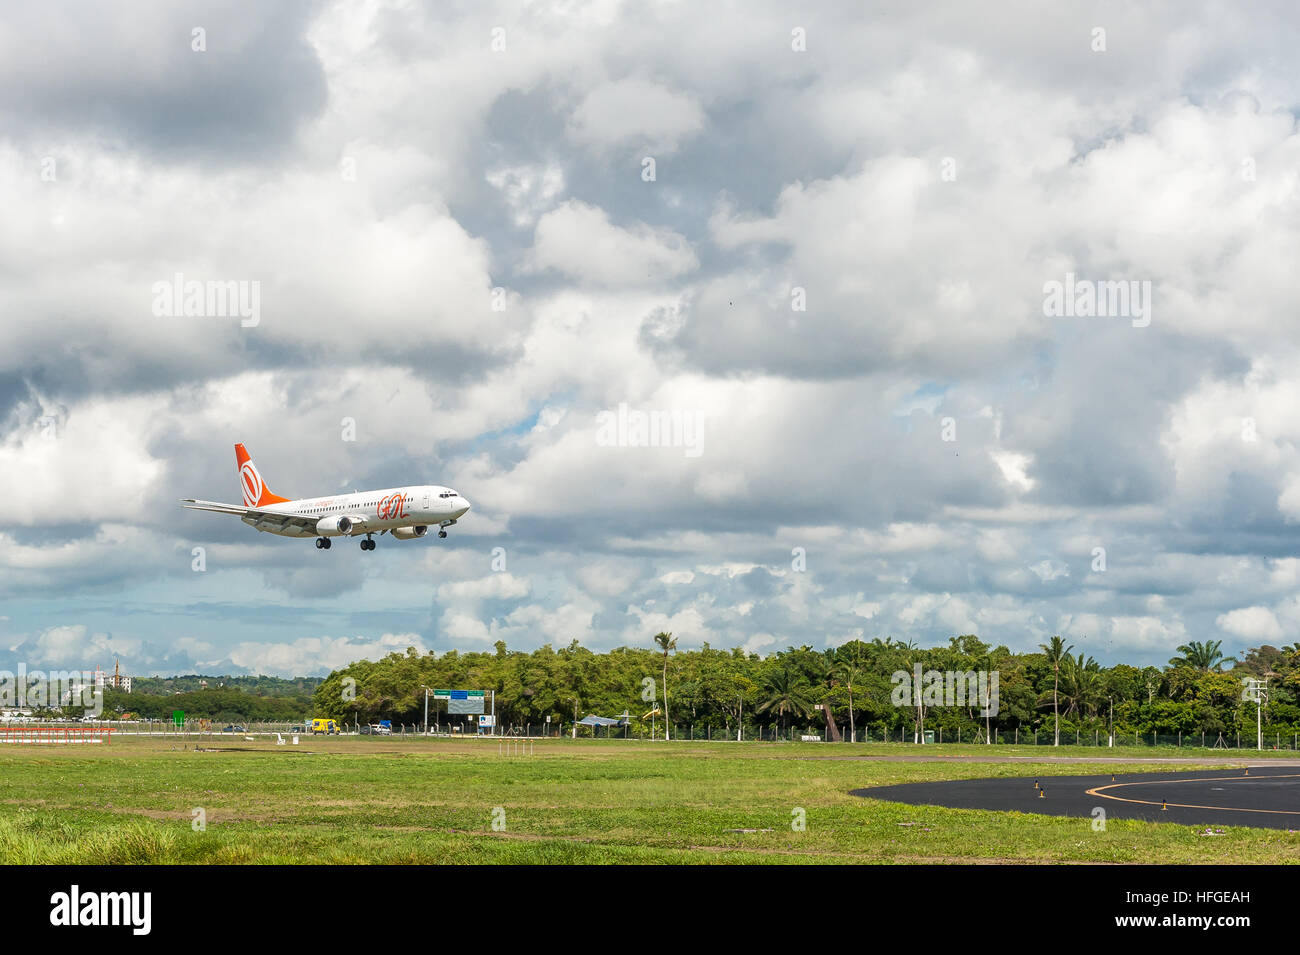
1257 690
1261 697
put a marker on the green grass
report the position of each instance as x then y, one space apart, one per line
433 801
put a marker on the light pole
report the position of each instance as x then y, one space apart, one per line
1257 690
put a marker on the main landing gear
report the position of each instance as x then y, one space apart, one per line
322 543
367 544
442 527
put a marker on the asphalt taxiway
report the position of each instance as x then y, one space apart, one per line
1262 796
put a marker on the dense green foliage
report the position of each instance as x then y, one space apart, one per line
801 689
226 699
299 686
221 704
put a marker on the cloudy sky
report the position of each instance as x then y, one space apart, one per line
823 235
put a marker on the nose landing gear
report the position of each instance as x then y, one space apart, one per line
442 527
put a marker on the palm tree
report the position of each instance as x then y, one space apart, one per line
784 694
848 672
1206 656
825 679
1056 652
1082 678
666 643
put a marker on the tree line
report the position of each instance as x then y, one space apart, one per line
844 692
221 704
299 686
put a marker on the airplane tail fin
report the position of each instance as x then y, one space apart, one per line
256 493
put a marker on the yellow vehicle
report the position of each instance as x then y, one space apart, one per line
324 726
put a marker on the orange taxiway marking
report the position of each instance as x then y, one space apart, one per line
1098 791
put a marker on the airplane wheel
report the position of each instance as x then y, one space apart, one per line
442 533
326 543
320 542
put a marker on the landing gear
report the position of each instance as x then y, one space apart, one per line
323 543
442 527
367 544
442 533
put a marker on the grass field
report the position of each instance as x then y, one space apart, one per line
434 801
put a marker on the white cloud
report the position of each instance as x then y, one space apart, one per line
397 171
579 240
636 112
500 586
1251 623
1014 467
529 189
308 655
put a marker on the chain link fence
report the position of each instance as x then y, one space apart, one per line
1272 738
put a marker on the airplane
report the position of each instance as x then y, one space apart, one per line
405 512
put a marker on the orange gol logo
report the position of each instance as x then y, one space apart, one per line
392 507
252 484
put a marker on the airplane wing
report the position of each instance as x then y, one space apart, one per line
263 516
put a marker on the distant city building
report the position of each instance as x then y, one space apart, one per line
101 680
120 682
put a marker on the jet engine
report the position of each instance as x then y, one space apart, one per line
334 526
410 533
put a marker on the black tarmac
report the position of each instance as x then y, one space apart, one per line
1261 796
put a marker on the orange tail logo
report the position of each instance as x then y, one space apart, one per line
256 493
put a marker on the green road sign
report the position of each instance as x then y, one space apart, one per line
458 694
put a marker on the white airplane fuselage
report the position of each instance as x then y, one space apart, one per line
404 512
412 509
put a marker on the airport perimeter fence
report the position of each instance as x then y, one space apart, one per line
1273 738
1279 739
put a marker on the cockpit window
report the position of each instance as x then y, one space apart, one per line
448 494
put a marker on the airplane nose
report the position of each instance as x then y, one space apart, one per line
462 508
